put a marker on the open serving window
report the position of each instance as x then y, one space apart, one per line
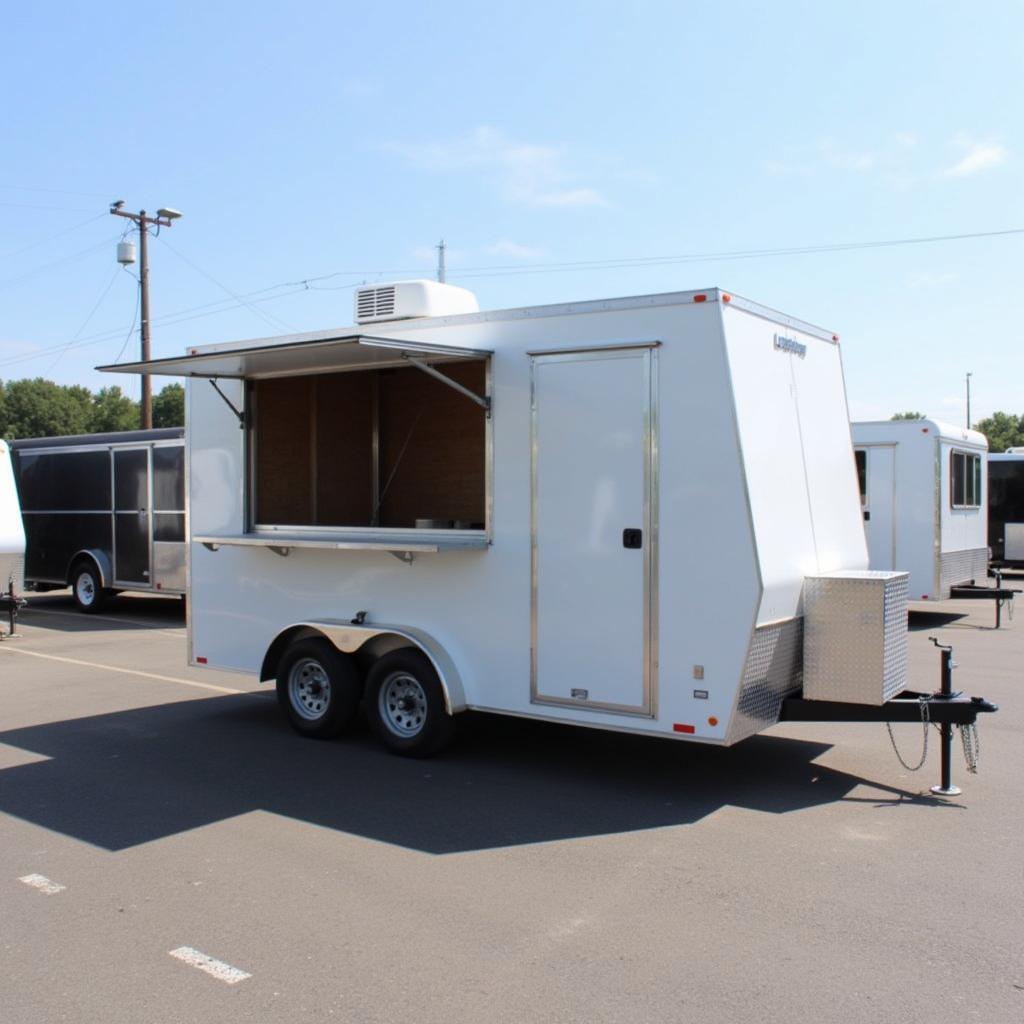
359 442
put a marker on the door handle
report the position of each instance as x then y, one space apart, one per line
632 538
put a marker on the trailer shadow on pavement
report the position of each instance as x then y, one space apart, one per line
58 611
121 779
918 621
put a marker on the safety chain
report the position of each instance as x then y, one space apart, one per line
972 746
925 720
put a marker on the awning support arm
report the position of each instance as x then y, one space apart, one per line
483 402
229 403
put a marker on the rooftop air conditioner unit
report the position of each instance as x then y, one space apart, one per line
404 300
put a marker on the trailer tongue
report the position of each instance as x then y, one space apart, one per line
943 708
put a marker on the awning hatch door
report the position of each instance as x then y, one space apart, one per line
294 358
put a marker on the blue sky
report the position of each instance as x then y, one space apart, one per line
344 139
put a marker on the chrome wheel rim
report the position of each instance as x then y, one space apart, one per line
403 704
85 588
309 689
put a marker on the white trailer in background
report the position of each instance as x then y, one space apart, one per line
924 490
12 541
600 513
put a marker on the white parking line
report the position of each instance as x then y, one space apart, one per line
43 884
123 671
220 970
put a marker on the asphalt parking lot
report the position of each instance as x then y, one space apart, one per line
172 851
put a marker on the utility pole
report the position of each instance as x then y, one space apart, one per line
164 218
440 261
968 401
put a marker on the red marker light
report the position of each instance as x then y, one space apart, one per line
680 727
700 298
726 297
835 337
200 661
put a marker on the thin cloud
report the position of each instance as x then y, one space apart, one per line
979 157
357 89
524 173
16 347
515 250
930 278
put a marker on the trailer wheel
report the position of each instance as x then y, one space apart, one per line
86 587
318 687
405 704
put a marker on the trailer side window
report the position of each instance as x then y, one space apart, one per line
862 475
385 448
169 493
964 480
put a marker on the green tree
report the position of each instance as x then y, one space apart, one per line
40 408
112 409
908 416
169 407
1003 430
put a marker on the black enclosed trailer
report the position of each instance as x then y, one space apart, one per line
1006 508
104 512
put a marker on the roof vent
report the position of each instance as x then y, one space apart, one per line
405 300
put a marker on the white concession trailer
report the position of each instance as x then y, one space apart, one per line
924 489
607 513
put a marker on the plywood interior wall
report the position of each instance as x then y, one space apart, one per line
441 474
314 455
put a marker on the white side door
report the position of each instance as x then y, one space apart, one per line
880 506
593 547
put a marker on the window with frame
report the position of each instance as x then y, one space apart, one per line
390 449
964 480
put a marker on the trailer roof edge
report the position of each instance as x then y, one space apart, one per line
679 298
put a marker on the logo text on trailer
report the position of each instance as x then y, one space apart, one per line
790 345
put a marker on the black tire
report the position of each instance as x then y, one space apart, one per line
318 687
405 704
87 588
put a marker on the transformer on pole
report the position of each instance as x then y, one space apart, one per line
164 218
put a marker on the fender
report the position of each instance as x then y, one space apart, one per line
102 560
378 639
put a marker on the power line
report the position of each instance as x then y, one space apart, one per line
737 254
57 263
51 238
54 191
167 320
294 287
39 206
135 318
85 322
275 322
